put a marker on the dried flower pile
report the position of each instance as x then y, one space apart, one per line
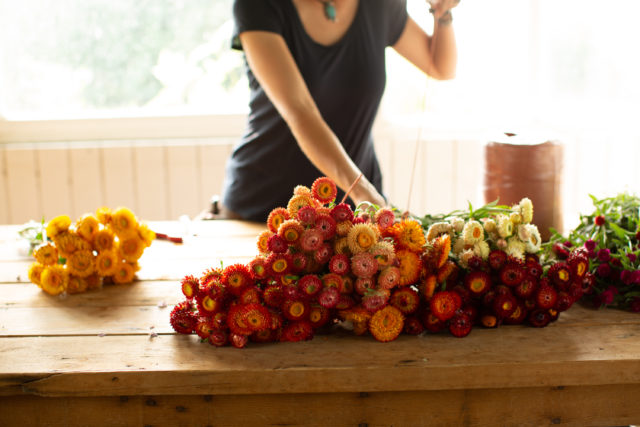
321 264
104 247
609 238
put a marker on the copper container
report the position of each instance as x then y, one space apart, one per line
514 170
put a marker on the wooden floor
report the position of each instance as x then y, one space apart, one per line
110 358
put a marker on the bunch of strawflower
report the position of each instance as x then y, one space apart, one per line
492 274
320 264
610 239
97 249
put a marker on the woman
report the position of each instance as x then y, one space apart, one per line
316 71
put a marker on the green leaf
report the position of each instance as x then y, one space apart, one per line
620 232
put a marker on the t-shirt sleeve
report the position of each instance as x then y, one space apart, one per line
396 11
255 15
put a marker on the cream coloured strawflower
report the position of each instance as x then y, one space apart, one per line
489 225
526 210
505 226
523 232
532 245
458 246
472 232
515 217
482 249
515 248
457 223
465 256
437 229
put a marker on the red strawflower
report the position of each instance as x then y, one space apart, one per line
460 325
489 320
251 295
265 335
444 304
526 287
504 305
546 297
307 215
219 338
389 278
328 297
295 309
405 299
311 240
279 264
475 263
290 231
512 273
342 212
599 220
324 190
413 326
310 285
539 318
364 264
323 254
273 296
345 302
339 264
432 323
212 275
364 284
518 315
190 286
207 305
276 218
375 300
332 280
297 331
319 316
477 282
560 275
578 262
384 218
182 318
634 306
203 328
497 259
219 321
236 278
238 340
534 269
277 244
257 316
237 321
258 268
326 225
560 250
564 301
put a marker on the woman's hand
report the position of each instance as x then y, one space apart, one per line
440 7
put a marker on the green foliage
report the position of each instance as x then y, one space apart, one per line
486 211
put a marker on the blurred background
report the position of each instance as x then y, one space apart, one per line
138 103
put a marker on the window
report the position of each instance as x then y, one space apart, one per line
63 59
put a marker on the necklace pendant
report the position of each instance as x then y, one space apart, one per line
329 10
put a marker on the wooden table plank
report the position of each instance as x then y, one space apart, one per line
610 405
170 364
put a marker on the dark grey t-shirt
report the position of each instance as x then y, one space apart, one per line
346 80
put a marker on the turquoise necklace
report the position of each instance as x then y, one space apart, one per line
329 9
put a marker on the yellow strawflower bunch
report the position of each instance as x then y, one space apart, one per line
97 249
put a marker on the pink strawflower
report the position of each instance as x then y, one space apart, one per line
307 215
590 245
635 305
603 270
604 255
626 277
599 220
364 264
636 277
560 250
632 257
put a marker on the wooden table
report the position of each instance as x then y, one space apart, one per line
94 359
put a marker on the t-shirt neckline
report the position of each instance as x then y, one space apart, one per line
337 43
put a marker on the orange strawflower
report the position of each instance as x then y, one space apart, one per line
46 254
386 324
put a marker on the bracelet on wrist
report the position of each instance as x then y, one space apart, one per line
446 18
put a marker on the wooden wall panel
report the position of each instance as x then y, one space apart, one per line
469 173
4 199
23 192
54 179
86 181
440 175
183 184
151 181
212 159
118 177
